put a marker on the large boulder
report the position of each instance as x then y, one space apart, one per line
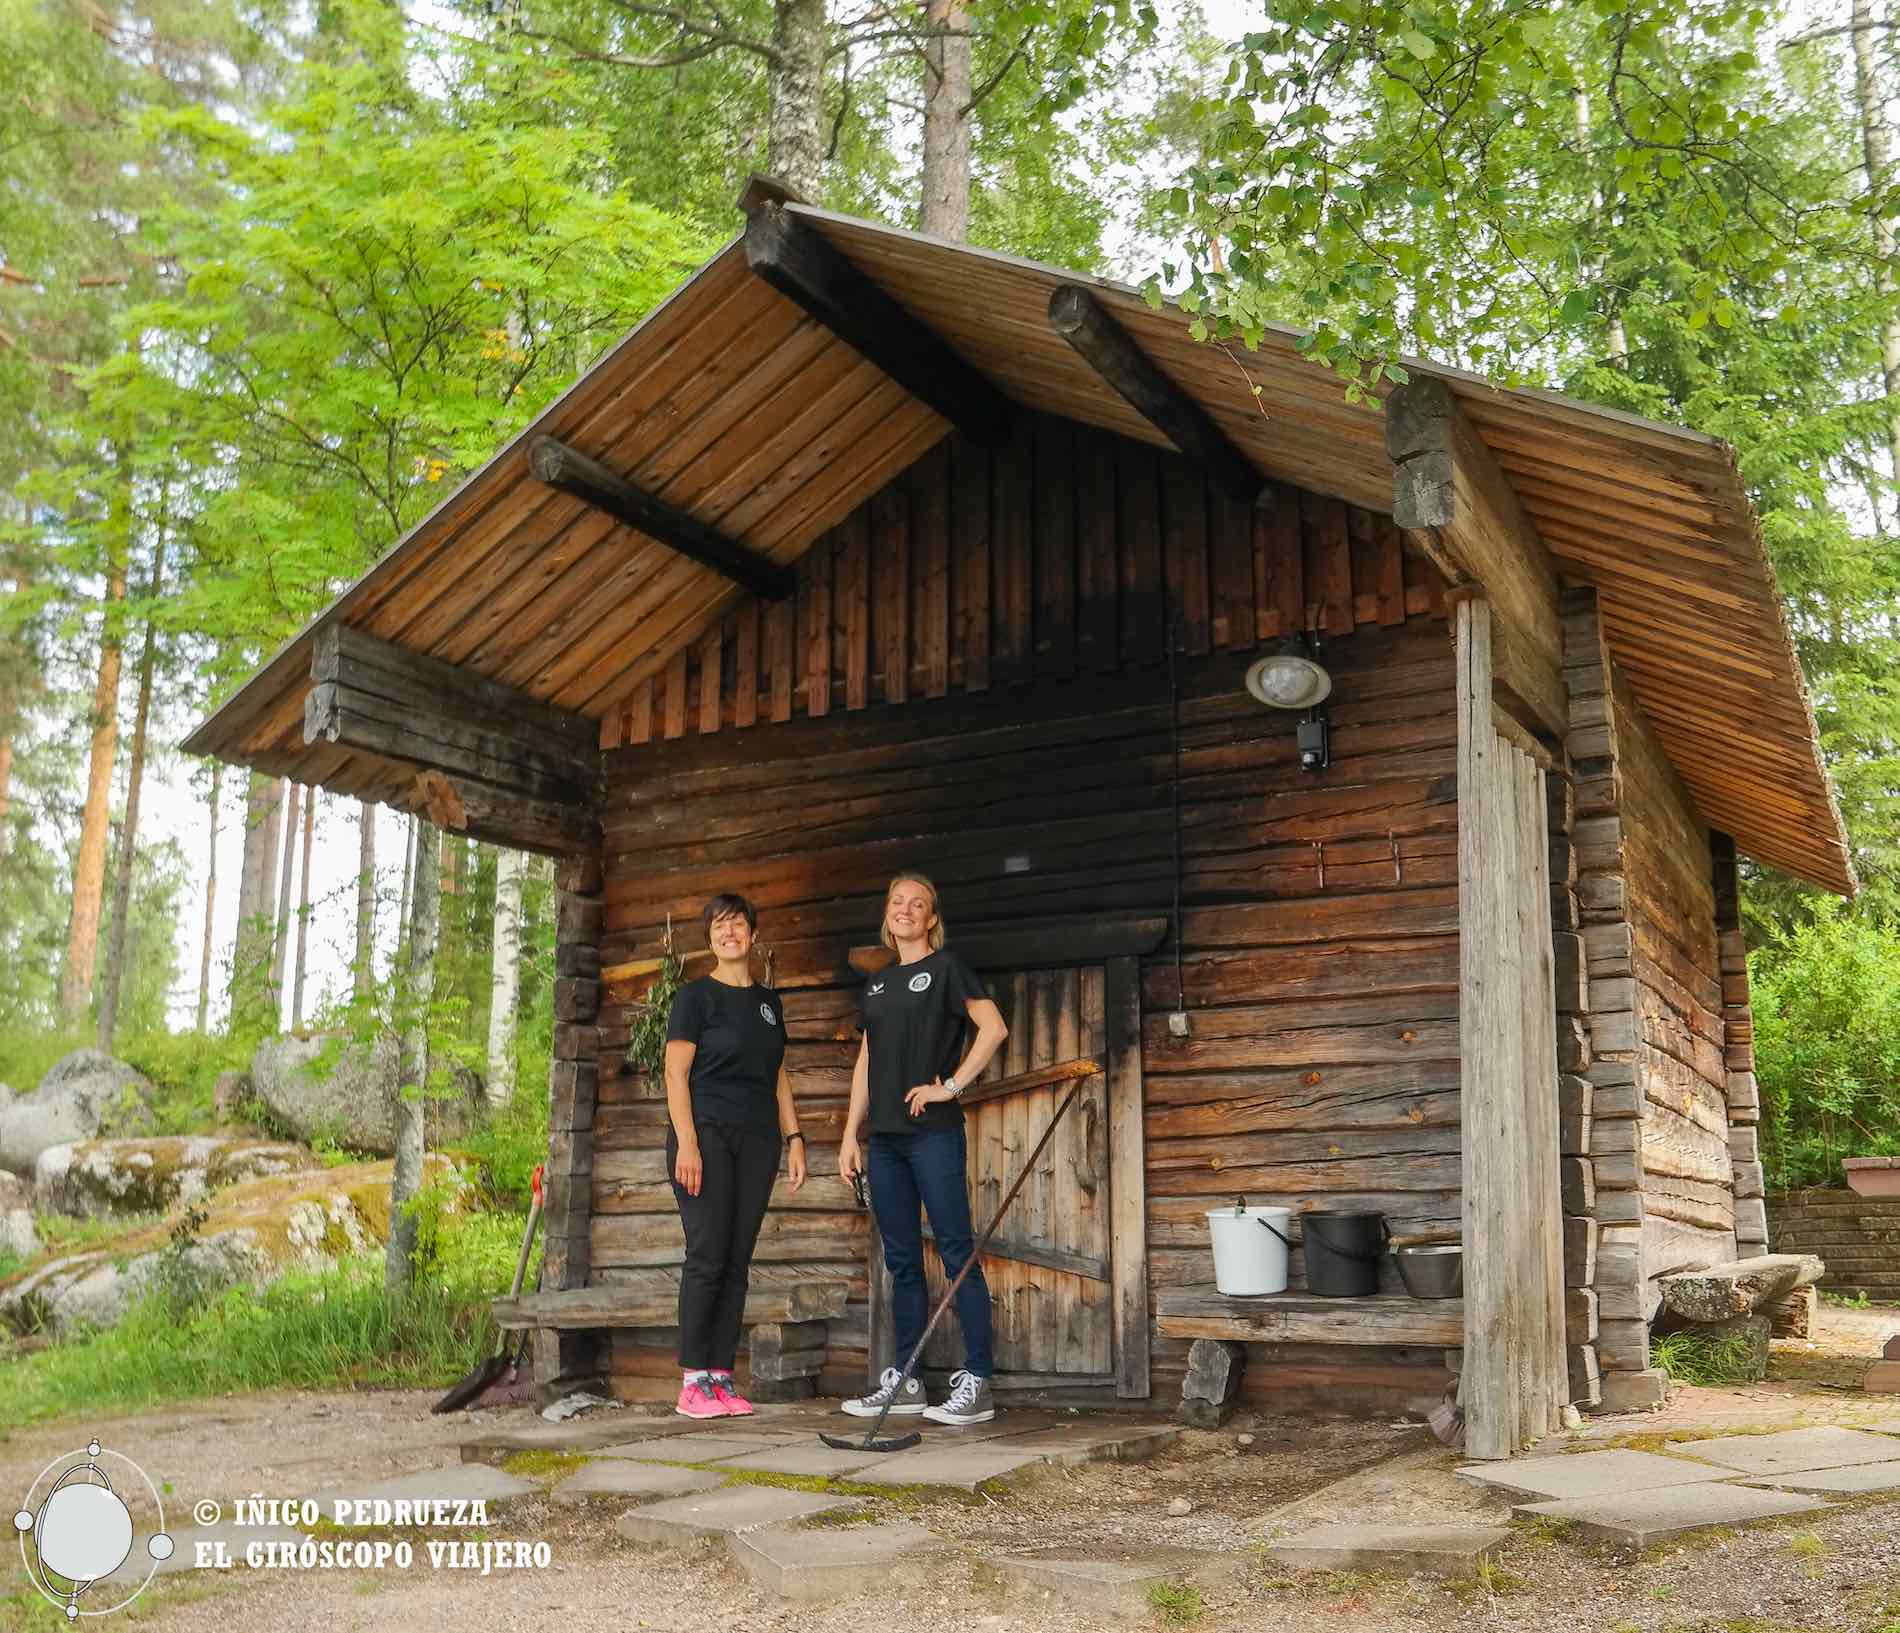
18 1236
256 1232
350 1101
85 1095
102 1177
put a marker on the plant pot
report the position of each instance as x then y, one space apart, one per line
1872 1176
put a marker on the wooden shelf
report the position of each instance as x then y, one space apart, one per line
1306 1318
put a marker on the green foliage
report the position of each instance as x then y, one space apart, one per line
338 1329
513 1141
646 1033
1826 1002
1178 1604
1702 1358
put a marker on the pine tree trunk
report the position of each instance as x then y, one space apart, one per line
89 876
506 991
6 783
113 979
280 942
303 912
211 899
1876 143
363 975
257 895
405 1177
794 137
945 210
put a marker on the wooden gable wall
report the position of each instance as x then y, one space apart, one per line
1319 911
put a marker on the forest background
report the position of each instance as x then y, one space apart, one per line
275 275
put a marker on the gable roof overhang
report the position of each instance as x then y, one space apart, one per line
738 407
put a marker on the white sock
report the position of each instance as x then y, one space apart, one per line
697 1378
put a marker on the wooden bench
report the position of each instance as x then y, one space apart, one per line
1757 1299
787 1320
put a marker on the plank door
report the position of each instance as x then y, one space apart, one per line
1067 1268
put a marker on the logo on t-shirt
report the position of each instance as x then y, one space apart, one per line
770 1018
920 982
875 990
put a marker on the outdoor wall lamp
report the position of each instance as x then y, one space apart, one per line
1292 677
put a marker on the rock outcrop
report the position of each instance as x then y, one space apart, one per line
97 1178
86 1095
19 1237
333 1091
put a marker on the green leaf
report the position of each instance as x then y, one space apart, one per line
1420 45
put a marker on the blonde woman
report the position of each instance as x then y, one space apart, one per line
728 1101
912 1066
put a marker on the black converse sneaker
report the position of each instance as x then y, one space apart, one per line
908 1403
969 1401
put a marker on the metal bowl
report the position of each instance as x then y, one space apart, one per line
1436 1271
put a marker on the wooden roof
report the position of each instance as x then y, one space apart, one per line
733 404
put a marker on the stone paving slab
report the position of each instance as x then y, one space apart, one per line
813 1459
726 1513
184 1556
820 1563
458 1482
1109 1579
1073 1443
695 1448
1793 1451
1585 1474
642 1482
1858 1479
962 1467
580 1435
1405 1550
1639 1518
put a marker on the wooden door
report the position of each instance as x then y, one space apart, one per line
1067 1267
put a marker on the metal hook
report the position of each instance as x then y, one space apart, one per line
1319 852
1398 867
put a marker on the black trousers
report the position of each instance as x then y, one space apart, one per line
722 1227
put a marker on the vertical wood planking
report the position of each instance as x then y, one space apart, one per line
970 551
890 589
1055 548
640 714
1127 1175
1094 1345
1331 547
1286 562
711 650
1097 573
1365 561
1184 535
676 694
1011 490
745 665
780 660
814 586
930 553
1138 525
1388 582
854 613
1546 1138
1232 523
1491 1099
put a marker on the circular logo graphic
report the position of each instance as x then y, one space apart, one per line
770 1018
920 982
83 1532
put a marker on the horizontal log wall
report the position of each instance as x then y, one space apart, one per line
1066 553
1320 955
1857 1237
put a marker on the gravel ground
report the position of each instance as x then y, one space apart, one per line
1837 1572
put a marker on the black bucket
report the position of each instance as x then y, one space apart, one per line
1343 1253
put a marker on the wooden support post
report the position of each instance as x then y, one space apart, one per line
1108 348
1127 1176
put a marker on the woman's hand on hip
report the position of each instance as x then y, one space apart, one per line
927 1094
688 1169
795 1167
850 1158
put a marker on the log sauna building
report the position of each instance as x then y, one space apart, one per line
867 550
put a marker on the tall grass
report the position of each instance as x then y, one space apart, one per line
335 1329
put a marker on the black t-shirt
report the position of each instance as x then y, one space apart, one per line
914 1016
739 1039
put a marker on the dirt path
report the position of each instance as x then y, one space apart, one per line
1838 1572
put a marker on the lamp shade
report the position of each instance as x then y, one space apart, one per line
1288 679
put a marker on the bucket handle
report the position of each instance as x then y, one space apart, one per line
1385 1247
1240 1206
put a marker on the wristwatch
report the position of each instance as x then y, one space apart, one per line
953 1086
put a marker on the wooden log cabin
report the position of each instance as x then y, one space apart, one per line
866 551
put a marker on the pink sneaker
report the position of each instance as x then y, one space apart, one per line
736 1405
697 1400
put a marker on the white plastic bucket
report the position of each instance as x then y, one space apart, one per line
1249 1260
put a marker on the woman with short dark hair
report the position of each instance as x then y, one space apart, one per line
728 1101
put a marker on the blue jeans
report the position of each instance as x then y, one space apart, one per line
924 1171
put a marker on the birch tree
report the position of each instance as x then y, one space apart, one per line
506 991
418 994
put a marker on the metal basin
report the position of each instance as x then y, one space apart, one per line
1436 1271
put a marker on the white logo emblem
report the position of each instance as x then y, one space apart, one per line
770 1018
920 983
875 990
83 1531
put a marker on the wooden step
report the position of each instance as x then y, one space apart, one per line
654 1301
1306 1318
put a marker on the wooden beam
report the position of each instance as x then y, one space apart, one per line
569 471
802 265
1086 938
459 805
1459 510
1108 348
